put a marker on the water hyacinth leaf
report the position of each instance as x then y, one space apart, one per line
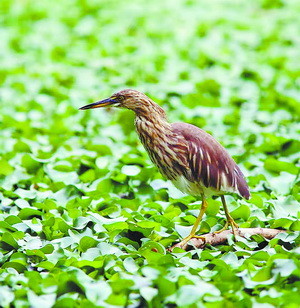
7 239
148 293
131 170
88 176
284 267
19 267
274 165
187 294
5 167
87 242
4 226
243 212
6 296
45 300
30 164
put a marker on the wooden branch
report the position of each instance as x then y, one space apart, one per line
220 238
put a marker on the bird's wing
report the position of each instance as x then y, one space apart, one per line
208 161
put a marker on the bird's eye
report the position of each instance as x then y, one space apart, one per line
121 97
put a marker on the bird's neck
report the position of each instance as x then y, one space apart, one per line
148 110
151 114
151 123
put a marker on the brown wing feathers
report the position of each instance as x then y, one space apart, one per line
209 162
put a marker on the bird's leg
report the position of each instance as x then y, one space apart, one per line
196 224
229 220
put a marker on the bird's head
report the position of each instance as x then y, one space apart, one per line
137 101
130 99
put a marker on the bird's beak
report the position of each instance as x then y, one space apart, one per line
103 103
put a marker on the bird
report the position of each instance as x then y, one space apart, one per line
192 159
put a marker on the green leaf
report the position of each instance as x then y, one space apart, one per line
5 167
87 242
262 275
30 164
275 165
7 296
88 176
47 265
45 300
19 267
148 293
8 239
189 294
27 213
243 212
149 224
131 170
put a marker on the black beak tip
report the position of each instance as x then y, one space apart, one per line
106 102
85 107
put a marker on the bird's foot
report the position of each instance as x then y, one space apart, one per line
233 225
185 241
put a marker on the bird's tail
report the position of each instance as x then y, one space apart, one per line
242 185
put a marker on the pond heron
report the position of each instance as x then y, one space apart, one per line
191 158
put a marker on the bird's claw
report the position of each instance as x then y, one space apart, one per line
232 223
185 241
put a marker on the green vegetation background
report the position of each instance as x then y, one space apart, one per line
85 217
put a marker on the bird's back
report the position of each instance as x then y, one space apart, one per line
208 164
192 159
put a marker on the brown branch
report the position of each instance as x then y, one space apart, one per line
220 238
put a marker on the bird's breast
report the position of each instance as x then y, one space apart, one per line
194 188
163 147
